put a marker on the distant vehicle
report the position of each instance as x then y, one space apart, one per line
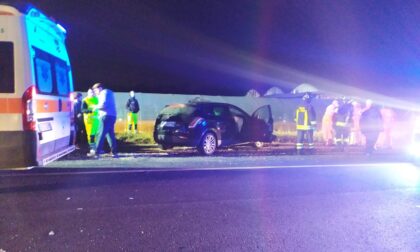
35 86
209 125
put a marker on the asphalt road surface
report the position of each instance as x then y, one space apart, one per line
230 202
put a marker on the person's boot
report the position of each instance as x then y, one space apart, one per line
92 154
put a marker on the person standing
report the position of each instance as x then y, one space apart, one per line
78 119
356 137
133 109
371 125
327 122
305 124
343 123
107 117
90 117
385 137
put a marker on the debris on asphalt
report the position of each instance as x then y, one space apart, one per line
79 209
51 233
131 198
68 198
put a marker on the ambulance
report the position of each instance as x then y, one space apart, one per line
36 125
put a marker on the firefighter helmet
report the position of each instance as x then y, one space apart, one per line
306 97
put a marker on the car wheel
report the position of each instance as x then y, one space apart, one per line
208 144
258 144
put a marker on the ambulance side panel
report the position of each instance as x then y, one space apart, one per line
17 147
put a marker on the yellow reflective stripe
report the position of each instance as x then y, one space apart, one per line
341 124
303 127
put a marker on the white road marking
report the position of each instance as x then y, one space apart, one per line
150 170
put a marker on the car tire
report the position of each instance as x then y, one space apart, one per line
208 144
258 144
165 146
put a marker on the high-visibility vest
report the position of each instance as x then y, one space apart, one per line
304 118
90 102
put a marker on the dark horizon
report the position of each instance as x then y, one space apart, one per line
227 48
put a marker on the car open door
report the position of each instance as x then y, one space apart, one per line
262 124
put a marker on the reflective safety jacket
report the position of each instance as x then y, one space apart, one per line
305 117
87 108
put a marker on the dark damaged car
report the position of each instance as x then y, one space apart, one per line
210 125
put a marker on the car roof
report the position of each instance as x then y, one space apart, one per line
207 103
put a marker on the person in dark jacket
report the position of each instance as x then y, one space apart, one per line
371 125
78 119
343 123
133 109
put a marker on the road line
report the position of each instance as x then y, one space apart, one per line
149 170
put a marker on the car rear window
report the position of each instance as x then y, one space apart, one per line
178 109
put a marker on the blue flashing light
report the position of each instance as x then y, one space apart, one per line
34 12
62 28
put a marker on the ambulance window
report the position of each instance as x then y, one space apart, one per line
62 78
7 73
43 76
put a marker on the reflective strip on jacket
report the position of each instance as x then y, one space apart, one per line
91 102
305 119
341 124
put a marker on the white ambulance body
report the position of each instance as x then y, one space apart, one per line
36 125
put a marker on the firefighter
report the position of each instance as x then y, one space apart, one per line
343 123
328 121
133 108
305 124
90 117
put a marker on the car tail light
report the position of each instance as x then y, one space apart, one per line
29 122
196 121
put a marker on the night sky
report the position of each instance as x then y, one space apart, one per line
227 47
